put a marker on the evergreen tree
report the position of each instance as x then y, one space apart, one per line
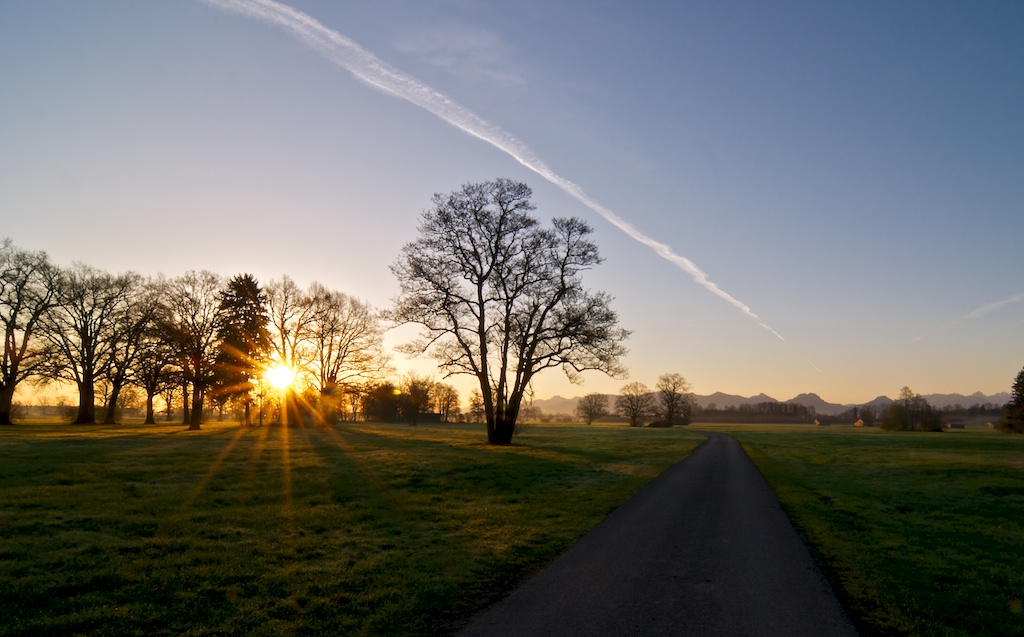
1013 414
244 339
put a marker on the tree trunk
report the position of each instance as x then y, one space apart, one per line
86 403
150 415
6 403
197 408
500 431
115 391
502 425
185 413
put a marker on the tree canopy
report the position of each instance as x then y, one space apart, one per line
500 297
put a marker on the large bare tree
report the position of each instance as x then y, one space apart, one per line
28 289
82 330
501 298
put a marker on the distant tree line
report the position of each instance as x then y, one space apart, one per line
670 403
199 341
762 412
875 414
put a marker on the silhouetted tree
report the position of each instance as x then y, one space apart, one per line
501 298
446 400
243 340
28 289
381 402
476 406
1013 413
414 397
134 317
153 372
591 407
676 400
635 403
346 341
291 322
291 318
83 331
911 412
190 323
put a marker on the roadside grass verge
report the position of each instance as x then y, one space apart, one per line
351 530
920 533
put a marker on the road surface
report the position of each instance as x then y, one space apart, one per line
705 549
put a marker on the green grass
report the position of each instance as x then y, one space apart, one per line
353 530
395 530
920 534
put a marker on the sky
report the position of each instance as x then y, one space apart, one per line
789 197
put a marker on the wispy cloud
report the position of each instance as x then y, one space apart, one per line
375 72
992 307
465 51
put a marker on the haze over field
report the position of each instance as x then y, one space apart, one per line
790 197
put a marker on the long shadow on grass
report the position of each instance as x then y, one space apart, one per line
356 531
458 521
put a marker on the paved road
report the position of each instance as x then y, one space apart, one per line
705 549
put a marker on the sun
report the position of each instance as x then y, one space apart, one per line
280 376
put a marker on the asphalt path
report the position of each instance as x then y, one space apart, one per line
704 549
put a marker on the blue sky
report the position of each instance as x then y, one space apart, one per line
853 172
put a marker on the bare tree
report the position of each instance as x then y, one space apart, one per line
189 320
476 406
134 316
82 331
501 298
291 319
676 400
346 341
446 400
152 371
28 289
591 407
635 403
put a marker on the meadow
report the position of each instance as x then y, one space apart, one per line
366 529
919 533
349 530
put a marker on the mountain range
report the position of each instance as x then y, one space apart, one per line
561 405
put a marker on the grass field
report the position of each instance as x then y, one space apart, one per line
352 530
921 534
395 530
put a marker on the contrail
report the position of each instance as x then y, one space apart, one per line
991 307
373 71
